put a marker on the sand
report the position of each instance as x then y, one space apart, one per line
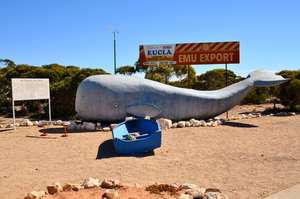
249 158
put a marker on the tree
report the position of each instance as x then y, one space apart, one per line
64 81
215 79
126 70
289 94
8 62
160 73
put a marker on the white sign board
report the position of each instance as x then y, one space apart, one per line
30 89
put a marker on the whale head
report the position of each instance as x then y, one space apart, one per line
266 78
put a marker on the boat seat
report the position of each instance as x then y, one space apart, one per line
143 136
120 131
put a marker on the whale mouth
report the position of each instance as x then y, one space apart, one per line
266 78
271 82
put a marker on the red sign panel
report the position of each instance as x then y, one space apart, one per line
190 53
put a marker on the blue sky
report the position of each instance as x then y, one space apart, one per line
78 32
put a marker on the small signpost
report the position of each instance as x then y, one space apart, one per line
190 54
29 89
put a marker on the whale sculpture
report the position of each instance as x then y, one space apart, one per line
113 97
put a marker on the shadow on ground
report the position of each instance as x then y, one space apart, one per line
60 130
52 130
106 150
240 125
40 137
4 130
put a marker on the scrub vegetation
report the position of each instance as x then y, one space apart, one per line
64 81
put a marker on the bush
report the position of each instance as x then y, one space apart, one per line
290 95
64 81
257 95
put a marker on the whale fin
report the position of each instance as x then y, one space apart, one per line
266 78
142 110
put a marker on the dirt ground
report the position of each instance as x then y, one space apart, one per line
248 158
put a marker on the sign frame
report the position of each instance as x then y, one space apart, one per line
18 84
191 53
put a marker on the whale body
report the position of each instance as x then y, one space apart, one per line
111 98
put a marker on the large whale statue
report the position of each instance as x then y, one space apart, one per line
113 97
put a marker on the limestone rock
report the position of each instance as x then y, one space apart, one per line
58 122
90 183
112 126
244 116
164 123
259 115
184 196
9 126
212 190
1 126
73 126
66 123
70 187
181 124
194 122
211 195
195 193
26 122
174 186
89 126
174 125
98 125
106 129
188 186
214 123
188 124
67 187
209 123
110 184
44 122
202 123
35 195
110 194
215 195
76 187
56 187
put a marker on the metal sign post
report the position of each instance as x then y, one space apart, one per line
226 83
115 53
14 116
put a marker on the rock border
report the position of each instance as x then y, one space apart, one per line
178 191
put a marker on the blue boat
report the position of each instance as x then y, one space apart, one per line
136 136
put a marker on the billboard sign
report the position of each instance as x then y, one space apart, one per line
30 89
190 53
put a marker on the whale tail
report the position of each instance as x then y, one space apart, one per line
266 78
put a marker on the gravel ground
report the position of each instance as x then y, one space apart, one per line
248 158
